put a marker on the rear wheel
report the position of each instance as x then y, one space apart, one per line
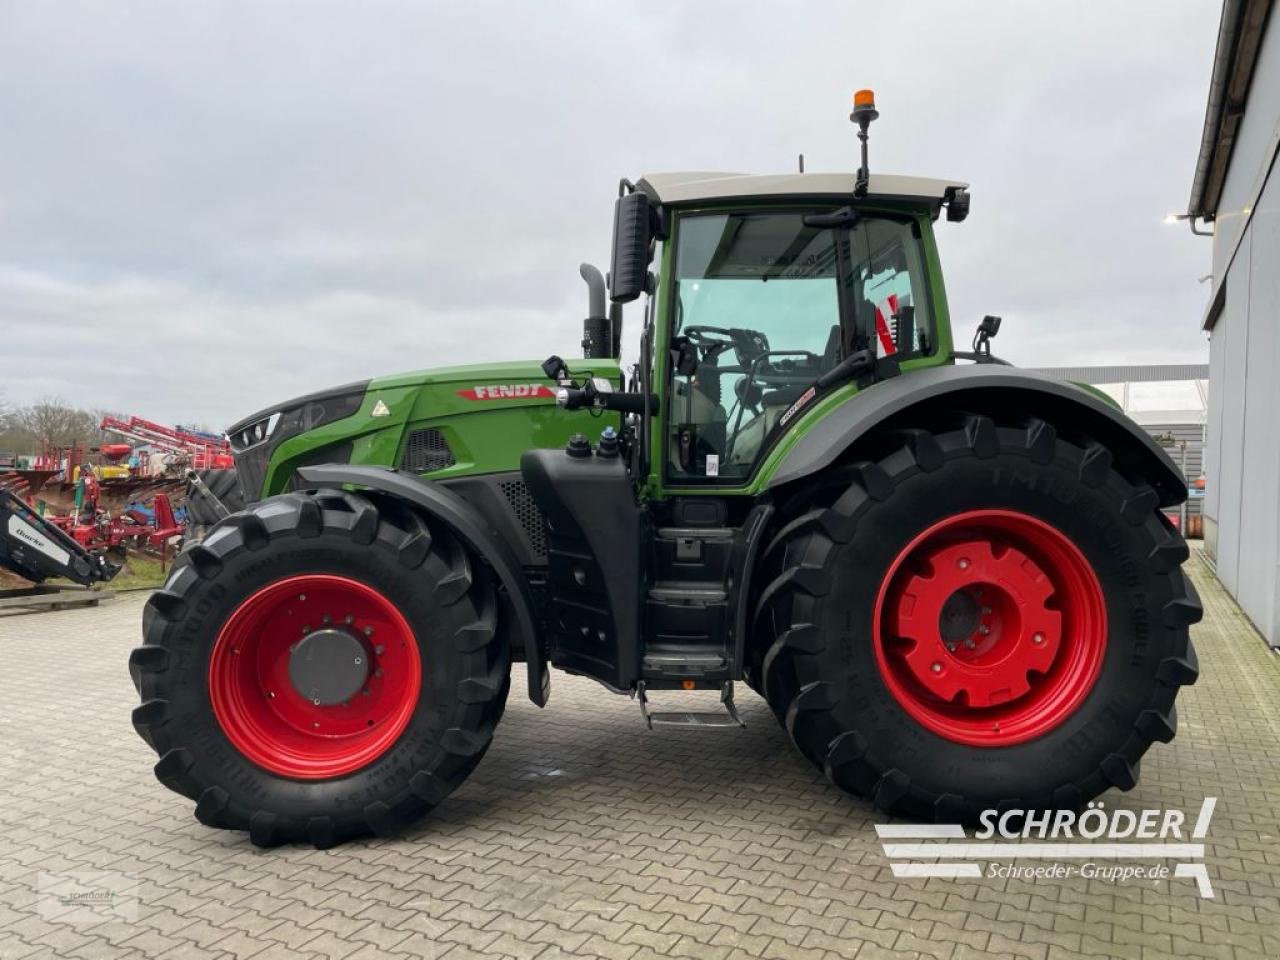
985 616
321 666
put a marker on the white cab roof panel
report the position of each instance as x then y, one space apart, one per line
712 185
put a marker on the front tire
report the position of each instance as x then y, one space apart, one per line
978 617
255 720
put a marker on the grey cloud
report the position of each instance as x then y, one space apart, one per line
205 207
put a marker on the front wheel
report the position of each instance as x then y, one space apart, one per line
321 666
986 616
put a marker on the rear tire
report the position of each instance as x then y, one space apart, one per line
253 763
829 648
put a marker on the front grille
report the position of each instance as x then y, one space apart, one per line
527 512
425 451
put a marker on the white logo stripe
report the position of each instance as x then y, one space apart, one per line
1206 813
920 831
1043 851
1201 874
951 870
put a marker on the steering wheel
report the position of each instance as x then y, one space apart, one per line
747 344
702 336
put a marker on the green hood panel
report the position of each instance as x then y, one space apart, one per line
488 414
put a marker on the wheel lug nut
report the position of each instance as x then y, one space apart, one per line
348 619
1037 638
986 611
326 620
302 596
368 631
963 563
378 649
377 673
306 628
984 630
316 701
936 667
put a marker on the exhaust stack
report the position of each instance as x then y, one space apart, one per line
596 328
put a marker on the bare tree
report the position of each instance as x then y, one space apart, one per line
50 420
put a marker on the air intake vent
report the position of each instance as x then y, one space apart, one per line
528 514
427 450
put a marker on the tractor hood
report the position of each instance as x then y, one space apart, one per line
484 414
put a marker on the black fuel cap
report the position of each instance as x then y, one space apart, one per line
578 446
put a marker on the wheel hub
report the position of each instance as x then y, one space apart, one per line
328 666
979 623
990 627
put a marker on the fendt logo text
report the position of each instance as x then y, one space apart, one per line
507 391
1093 843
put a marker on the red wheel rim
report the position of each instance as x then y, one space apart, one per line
275 725
990 628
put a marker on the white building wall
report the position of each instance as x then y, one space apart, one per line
1259 564
1242 502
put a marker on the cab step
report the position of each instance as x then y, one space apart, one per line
683 663
689 718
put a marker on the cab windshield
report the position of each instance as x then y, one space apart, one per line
763 306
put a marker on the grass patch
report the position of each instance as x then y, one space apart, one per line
140 571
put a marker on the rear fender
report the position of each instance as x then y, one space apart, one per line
983 388
467 523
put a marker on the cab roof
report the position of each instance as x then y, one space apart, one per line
704 185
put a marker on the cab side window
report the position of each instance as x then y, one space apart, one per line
889 287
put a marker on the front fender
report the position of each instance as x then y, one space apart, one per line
467 523
983 388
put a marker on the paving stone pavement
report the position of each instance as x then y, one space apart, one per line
582 834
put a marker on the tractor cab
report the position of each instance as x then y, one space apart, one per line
764 291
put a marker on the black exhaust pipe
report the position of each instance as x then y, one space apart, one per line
596 328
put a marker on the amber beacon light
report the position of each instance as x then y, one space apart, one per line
864 111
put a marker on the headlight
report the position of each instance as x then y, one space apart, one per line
254 433
297 416
255 439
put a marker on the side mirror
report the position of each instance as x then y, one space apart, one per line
957 200
629 271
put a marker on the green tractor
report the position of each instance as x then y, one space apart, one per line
954 584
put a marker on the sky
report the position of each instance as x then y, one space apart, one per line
209 207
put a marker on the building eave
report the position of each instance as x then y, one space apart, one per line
1240 33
